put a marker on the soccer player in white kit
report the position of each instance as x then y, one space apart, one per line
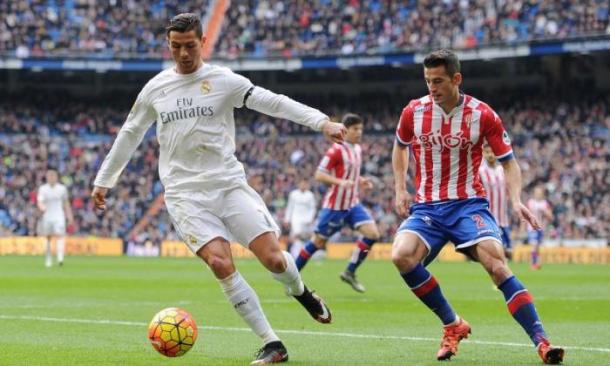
52 201
300 212
541 208
206 192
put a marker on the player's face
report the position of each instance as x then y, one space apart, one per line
489 155
303 185
354 133
51 177
444 89
186 50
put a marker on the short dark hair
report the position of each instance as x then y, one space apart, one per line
350 119
185 22
443 58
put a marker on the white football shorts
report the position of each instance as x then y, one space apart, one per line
237 214
300 229
52 226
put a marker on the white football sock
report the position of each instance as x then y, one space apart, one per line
291 278
61 244
246 303
49 259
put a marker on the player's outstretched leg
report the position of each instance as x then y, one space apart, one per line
425 287
521 305
291 278
361 251
308 250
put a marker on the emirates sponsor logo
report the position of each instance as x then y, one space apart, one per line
448 141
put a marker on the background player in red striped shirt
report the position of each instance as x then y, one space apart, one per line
494 182
340 168
445 131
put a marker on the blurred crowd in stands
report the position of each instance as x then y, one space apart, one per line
563 146
262 28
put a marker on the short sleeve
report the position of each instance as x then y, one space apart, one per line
496 136
330 160
238 88
404 130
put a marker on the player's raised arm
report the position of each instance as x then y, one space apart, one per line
281 106
131 134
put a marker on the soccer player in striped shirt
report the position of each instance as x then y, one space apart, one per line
445 131
492 178
340 168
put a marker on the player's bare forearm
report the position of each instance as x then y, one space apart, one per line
68 211
400 165
512 172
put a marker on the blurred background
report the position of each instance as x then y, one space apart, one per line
70 70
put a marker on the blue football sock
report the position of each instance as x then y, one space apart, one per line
361 251
308 250
521 305
424 286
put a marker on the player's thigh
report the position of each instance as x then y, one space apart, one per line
472 223
408 250
329 222
194 223
216 253
266 248
246 216
490 254
369 230
419 225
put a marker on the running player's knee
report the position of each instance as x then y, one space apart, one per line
221 266
319 241
404 258
275 263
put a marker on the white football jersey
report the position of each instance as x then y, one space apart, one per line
301 206
196 127
53 197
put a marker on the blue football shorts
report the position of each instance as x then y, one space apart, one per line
463 222
330 221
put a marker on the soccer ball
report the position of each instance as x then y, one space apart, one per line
172 332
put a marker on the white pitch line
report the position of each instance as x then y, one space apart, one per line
288 331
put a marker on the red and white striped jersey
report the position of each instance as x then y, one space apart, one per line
342 161
494 183
447 148
538 207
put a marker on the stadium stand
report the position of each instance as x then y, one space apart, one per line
129 29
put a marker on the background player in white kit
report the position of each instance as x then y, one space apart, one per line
52 201
494 182
300 212
206 193
541 208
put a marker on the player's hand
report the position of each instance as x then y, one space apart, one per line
366 183
99 197
526 215
334 131
346 183
403 200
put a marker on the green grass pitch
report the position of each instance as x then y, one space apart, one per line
95 311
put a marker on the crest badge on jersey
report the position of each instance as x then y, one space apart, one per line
191 239
468 119
506 138
205 87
